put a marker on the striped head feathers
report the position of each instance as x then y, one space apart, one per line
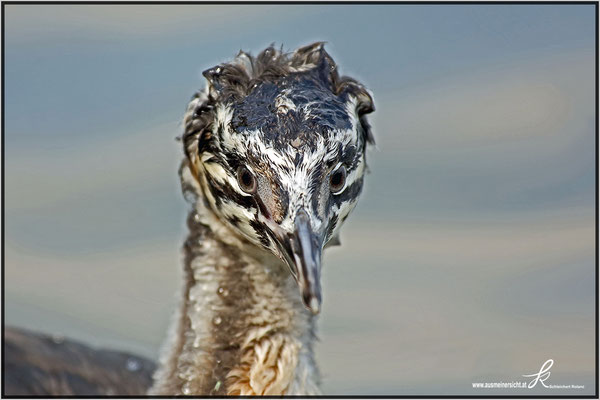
277 145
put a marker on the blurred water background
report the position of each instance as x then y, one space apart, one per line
470 257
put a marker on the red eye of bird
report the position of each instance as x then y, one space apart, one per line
337 180
246 180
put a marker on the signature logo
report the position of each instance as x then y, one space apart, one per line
541 376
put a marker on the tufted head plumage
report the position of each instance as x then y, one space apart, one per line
277 146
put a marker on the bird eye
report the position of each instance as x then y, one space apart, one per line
337 180
246 180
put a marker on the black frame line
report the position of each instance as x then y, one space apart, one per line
296 2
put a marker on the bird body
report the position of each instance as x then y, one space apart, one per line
35 364
275 158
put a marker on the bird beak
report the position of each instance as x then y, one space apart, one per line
302 253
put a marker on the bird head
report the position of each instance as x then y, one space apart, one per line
277 145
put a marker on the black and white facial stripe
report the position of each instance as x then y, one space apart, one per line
295 126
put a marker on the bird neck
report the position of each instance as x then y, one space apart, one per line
241 328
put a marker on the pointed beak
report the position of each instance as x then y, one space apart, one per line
302 252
